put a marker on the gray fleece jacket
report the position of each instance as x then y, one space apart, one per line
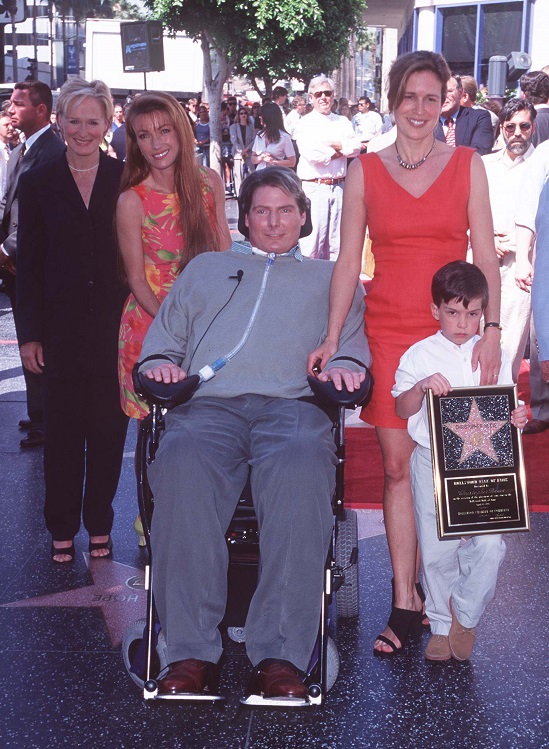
291 322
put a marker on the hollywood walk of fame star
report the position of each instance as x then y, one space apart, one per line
117 590
476 434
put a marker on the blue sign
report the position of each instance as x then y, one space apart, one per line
73 68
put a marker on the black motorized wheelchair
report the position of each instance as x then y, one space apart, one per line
144 647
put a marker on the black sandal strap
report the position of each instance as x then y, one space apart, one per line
388 642
402 621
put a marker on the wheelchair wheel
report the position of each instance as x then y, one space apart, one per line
133 637
332 664
347 597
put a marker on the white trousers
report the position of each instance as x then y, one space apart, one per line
464 570
326 202
515 314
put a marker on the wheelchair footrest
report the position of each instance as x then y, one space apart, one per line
191 697
257 700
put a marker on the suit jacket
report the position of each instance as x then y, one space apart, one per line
541 133
473 129
47 147
238 143
69 292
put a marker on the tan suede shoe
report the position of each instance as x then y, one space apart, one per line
461 639
438 648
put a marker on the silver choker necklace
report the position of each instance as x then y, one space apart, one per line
74 169
405 165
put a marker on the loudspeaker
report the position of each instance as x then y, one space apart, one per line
497 75
142 46
519 63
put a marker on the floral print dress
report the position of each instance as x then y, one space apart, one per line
162 246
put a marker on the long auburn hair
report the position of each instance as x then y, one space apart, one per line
199 231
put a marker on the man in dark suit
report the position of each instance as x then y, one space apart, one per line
464 126
535 89
30 110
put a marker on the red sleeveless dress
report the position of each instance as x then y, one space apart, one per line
411 239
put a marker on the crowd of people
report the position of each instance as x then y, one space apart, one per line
111 261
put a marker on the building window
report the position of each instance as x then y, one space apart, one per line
470 34
501 32
458 38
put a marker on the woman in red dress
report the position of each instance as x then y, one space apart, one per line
418 197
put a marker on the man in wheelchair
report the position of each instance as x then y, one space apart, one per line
268 307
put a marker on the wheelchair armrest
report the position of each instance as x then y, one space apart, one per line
328 395
166 395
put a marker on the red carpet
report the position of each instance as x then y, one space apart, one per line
364 470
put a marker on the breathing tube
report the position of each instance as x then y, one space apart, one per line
210 370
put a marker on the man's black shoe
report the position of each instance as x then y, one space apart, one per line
35 438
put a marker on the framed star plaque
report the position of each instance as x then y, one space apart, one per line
478 463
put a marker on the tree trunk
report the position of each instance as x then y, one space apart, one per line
217 67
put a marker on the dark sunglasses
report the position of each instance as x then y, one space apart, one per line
327 94
524 126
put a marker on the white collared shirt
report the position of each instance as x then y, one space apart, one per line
34 137
4 158
505 177
532 184
312 134
437 354
367 125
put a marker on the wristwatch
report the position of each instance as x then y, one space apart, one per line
492 325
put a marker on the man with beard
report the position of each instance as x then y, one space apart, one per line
505 170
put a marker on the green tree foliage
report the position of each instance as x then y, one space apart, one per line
318 46
267 39
123 9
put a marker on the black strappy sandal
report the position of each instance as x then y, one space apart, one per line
105 545
68 551
403 623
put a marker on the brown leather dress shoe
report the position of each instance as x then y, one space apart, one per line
188 676
535 426
274 678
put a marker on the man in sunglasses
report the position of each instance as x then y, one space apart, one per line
325 142
366 123
505 170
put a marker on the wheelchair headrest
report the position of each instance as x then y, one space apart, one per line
329 396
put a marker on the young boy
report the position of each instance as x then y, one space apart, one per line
460 578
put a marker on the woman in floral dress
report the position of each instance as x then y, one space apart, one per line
169 211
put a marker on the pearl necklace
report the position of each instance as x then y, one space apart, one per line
405 165
74 169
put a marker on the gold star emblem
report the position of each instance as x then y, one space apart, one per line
476 434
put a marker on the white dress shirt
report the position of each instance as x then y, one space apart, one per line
505 177
313 133
535 177
367 125
437 354
4 158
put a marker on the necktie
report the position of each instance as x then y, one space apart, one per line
22 152
450 133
